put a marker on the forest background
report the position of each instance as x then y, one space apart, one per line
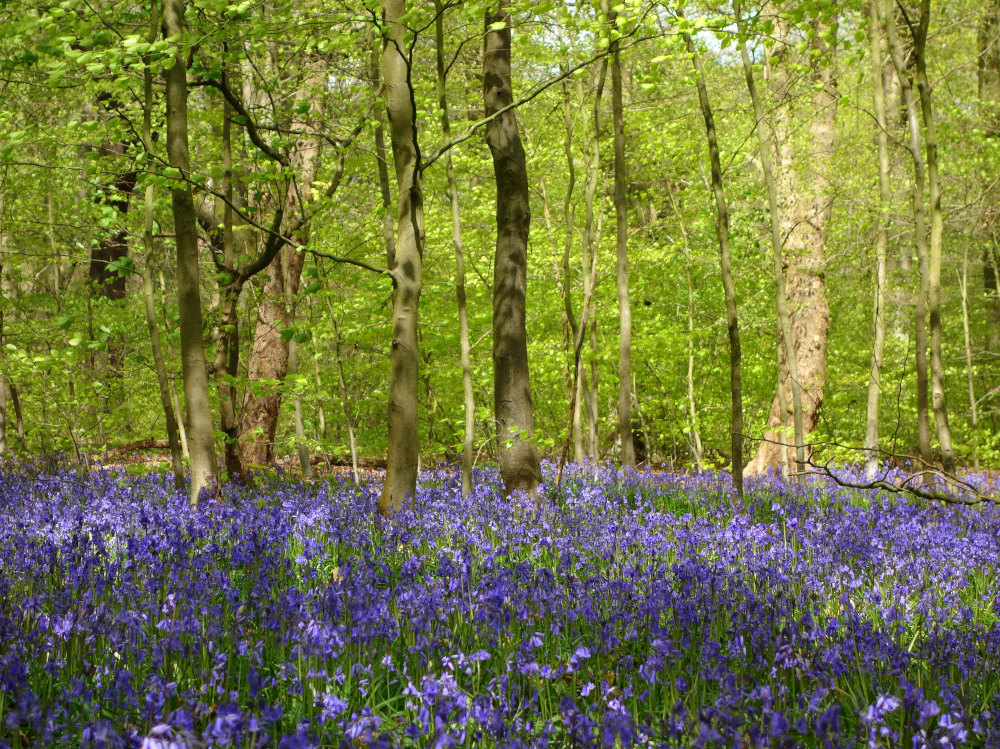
248 226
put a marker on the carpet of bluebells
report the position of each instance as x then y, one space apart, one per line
632 609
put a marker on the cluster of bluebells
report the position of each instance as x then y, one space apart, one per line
628 609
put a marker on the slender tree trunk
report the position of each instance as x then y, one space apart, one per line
345 399
174 400
321 426
3 354
301 449
989 98
57 282
881 245
3 413
590 252
780 295
227 345
695 441
200 436
148 295
963 285
919 229
382 162
726 266
407 270
621 244
573 382
519 463
782 367
468 441
938 402
805 209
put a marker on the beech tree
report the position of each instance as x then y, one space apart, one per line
513 410
201 442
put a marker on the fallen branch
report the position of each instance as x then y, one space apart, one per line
130 447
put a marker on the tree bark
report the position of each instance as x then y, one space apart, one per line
989 98
345 400
915 147
174 400
938 400
227 342
621 245
468 396
963 286
148 295
407 270
268 360
805 210
573 383
881 245
590 253
3 353
726 266
382 162
695 438
201 442
520 468
780 295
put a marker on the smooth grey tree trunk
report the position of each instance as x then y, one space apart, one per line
407 270
573 383
621 245
148 294
345 400
881 246
939 403
201 442
520 468
591 246
915 149
468 395
989 102
726 266
963 286
695 437
3 355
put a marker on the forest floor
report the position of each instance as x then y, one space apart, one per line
631 609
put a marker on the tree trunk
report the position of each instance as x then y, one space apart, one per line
621 244
519 464
407 270
780 295
881 245
919 229
468 440
989 98
3 353
938 401
382 162
269 351
726 266
200 435
148 295
345 400
963 286
174 400
590 253
227 343
573 383
268 360
805 210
